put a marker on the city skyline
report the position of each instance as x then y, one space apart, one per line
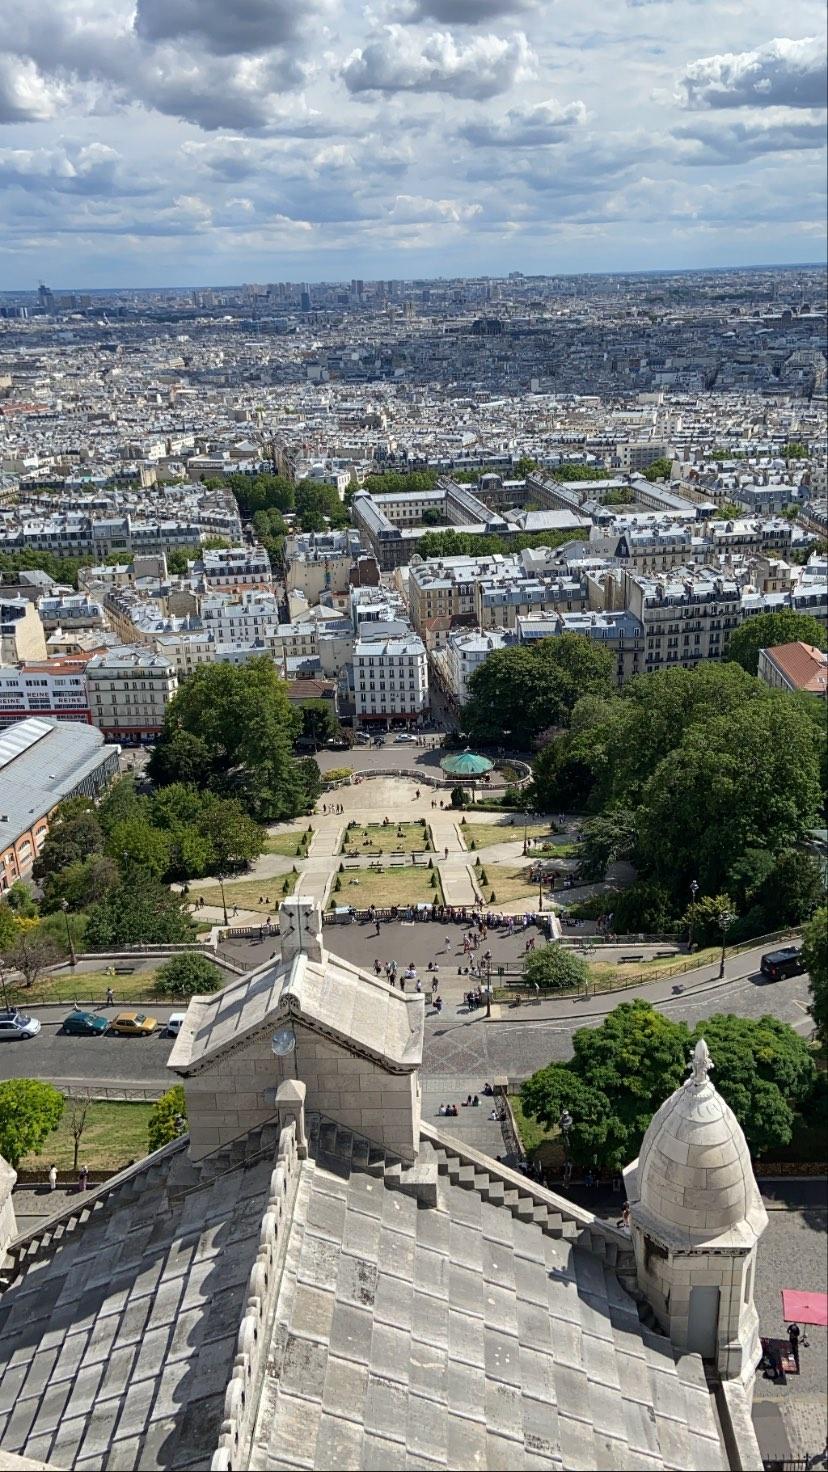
144 144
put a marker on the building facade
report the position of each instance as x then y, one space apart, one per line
129 691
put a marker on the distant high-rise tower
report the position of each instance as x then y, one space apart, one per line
46 298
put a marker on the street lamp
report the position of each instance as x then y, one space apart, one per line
694 889
565 1125
725 919
73 960
489 987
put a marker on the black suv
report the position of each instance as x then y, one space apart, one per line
785 962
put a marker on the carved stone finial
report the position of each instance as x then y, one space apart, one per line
701 1063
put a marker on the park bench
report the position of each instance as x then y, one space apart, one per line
632 958
123 970
661 955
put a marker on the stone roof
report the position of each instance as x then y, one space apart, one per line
463 1336
693 1180
329 996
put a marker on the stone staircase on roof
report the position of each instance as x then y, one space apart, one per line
118 1330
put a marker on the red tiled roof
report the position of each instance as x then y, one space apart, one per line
802 666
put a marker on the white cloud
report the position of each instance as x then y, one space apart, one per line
227 29
25 94
783 73
737 140
527 127
399 61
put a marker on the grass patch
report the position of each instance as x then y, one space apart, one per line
603 976
508 881
534 1136
85 987
485 834
561 850
114 1135
386 838
262 895
290 845
407 885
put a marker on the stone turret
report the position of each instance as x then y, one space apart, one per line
8 1222
696 1217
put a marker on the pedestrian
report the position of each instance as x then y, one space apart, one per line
52 1177
83 1177
448 942
794 1332
110 996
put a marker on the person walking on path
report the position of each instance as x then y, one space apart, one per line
794 1333
52 1177
83 1177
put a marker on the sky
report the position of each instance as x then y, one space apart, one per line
209 142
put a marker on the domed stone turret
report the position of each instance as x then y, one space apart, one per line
695 1218
694 1170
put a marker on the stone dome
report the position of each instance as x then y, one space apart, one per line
694 1170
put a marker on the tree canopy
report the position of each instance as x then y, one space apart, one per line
622 1071
188 975
554 968
230 729
658 469
166 1117
815 950
528 688
767 630
29 1111
139 910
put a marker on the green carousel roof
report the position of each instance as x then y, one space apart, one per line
466 764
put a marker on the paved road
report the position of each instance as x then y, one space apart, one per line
459 1045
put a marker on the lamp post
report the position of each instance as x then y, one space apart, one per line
565 1125
725 919
489 988
694 889
73 960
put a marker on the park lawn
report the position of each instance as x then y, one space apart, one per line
485 834
561 850
508 881
86 987
386 838
407 885
289 845
264 895
114 1135
603 976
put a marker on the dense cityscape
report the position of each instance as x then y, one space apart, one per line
393 672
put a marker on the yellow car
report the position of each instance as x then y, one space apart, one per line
133 1025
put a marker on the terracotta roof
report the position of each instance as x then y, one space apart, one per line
802 666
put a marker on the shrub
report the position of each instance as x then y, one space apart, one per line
554 967
164 1123
188 975
337 884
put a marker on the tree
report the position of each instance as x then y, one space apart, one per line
795 450
140 910
136 842
29 1111
318 503
526 689
188 975
815 955
580 472
644 909
78 1114
792 890
728 511
9 927
240 729
659 469
525 466
610 836
122 804
74 833
555 968
319 723
31 953
768 630
79 884
311 781
233 838
764 1071
168 1118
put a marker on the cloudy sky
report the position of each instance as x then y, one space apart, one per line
151 142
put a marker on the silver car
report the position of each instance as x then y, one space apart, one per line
14 1025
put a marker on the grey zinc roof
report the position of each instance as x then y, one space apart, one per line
331 994
460 1337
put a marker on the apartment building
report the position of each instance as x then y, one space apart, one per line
620 632
500 601
687 617
321 562
390 681
240 621
464 652
53 688
234 569
129 691
21 631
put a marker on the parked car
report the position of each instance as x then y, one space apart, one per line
14 1025
787 961
336 744
133 1025
85 1024
405 736
174 1023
